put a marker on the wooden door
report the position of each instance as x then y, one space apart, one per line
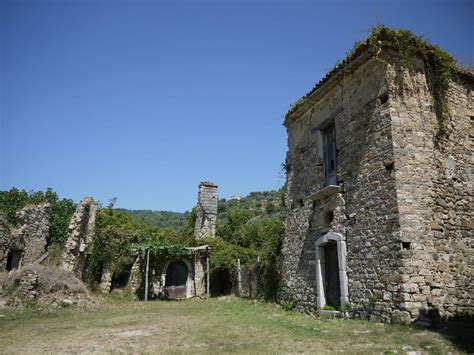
333 287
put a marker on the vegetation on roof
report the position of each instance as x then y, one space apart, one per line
439 65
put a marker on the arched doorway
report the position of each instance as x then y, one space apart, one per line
176 278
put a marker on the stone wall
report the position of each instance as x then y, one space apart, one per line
206 211
6 241
34 230
403 205
30 238
364 211
434 189
80 234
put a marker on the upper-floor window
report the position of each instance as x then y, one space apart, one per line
329 151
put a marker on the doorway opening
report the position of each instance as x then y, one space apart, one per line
331 271
332 281
13 259
176 279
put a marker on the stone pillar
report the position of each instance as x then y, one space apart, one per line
106 280
206 211
80 234
135 277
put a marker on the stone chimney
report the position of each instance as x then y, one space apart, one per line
206 211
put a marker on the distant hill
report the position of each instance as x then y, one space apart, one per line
159 219
263 203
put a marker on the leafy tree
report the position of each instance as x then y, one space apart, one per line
114 234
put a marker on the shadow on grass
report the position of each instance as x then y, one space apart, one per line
459 330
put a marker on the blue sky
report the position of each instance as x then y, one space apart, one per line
141 100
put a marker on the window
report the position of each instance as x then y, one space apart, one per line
329 159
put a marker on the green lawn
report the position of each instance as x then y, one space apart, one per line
216 325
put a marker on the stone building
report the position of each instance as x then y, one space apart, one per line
379 201
25 243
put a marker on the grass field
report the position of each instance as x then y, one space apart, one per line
217 325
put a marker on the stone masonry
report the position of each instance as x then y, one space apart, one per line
399 214
28 241
80 234
34 231
206 211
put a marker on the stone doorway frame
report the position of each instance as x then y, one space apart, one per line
190 280
320 268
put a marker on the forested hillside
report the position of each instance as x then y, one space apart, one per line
159 219
266 203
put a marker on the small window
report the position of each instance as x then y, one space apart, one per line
329 150
329 217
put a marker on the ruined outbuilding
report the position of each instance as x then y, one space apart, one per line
379 190
186 276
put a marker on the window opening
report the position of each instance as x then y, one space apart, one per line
329 149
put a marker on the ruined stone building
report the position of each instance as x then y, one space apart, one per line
186 276
379 190
26 243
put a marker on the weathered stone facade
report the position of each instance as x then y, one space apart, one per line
80 234
26 243
206 211
398 218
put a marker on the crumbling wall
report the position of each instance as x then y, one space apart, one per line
30 238
34 230
206 211
6 241
80 234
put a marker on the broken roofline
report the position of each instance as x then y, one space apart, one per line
361 52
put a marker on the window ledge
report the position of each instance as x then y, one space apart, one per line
325 192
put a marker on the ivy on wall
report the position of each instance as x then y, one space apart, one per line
440 67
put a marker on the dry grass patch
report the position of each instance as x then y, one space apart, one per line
202 326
